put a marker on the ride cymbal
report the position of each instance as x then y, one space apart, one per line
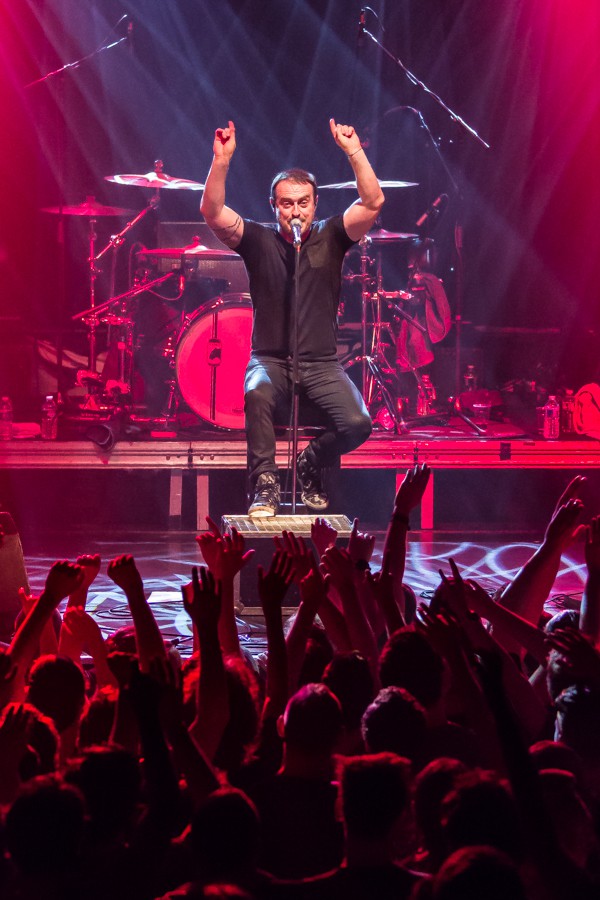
381 236
192 251
88 208
157 180
341 185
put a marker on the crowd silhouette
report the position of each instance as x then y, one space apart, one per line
383 748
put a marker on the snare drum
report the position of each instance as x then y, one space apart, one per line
211 356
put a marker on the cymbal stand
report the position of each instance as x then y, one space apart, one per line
91 319
372 356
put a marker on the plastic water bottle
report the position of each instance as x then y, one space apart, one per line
49 426
470 378
6 419
567 411
552 418
425 396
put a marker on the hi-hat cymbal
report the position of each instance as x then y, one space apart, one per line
157 180
341 185
192 251
381 236
88 208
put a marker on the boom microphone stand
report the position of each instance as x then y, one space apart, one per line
458 231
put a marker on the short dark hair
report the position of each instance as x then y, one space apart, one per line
313 719
375 792
409 661
296 176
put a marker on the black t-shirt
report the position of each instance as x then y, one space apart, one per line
269 259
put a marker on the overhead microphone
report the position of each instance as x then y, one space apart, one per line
296 226
433 211
362 21
130 37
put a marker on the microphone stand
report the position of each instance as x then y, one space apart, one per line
458 231
295 367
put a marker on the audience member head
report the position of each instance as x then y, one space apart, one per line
573 824
566 618
109 780
559 674
397 723
97 721
348 676
43 740
44 827
477 872
432 784
409 661
225 836
57 689
317 655
375 791
240 731
312 721
578 722
556 755
481 810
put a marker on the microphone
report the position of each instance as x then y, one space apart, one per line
296 226
362 21
434 210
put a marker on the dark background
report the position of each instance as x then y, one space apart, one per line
523 73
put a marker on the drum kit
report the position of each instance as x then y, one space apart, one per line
207 349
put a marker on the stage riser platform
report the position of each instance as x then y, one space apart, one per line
177 483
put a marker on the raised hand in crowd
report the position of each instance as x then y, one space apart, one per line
273 585
313 593
210 543
212 700
323 535
589 618
381 586
530 589
79 632
15 724
581 656
90 564
296 548
339 565
62 579
124 572
408 496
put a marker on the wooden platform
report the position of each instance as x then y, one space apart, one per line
218 452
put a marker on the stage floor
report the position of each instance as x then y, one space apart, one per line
165 561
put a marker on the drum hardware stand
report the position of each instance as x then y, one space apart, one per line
94 316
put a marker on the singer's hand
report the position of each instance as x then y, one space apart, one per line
345 137
224 145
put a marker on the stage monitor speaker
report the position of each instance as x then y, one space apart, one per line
258 535
13 576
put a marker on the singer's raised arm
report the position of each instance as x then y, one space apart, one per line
359 217
224 221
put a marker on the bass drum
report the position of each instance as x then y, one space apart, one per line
211 356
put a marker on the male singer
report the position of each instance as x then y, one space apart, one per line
269 254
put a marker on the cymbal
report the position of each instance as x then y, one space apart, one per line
157 180
341 185
88 208
192 251
390 237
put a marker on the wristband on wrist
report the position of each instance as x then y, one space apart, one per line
401 517
350 155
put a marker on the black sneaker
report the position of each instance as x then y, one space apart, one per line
266 497
312 491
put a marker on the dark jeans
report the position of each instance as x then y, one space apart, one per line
268 397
